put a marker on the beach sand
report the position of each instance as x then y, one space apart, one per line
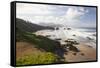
25 48
87 53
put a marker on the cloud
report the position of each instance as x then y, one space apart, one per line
67 15
73 16
33 9
74 13
37 13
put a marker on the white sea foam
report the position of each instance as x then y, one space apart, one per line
64 34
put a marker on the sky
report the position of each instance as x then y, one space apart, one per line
73 16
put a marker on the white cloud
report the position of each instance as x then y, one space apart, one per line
43 13
34 9
75 13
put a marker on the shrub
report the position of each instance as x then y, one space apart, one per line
43 58
40 41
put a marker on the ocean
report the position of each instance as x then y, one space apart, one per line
89 30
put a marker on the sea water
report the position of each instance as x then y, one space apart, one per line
91 32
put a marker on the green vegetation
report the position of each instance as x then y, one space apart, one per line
28 26
24 30
43 58
40 41
23 34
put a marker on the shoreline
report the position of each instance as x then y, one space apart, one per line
86 53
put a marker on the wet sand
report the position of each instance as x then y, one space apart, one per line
87 53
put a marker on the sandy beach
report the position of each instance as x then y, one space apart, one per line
86 46
25 48
87 53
